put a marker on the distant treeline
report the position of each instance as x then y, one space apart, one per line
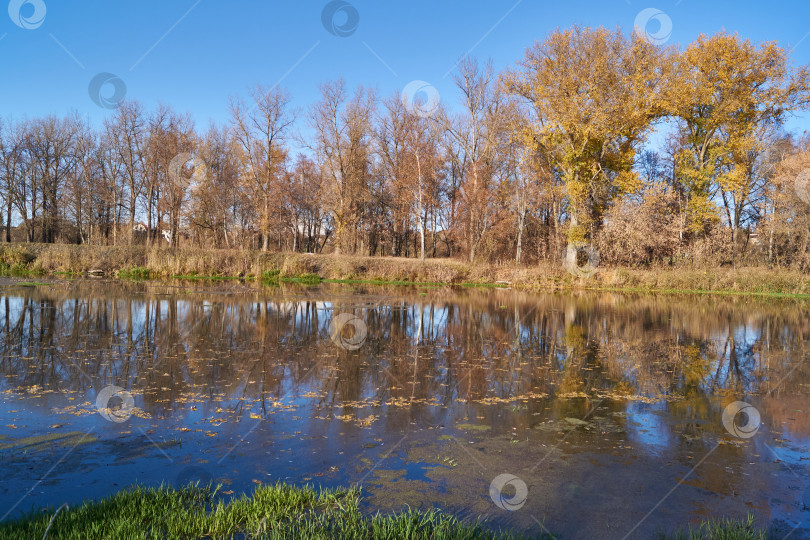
552 151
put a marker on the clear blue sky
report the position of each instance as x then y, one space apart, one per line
195 54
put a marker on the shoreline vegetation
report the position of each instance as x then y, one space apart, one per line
141 263
275 511
499 168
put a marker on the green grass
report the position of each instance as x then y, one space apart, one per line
19 270
387 282
701 292
720 530
211 278
431 284
306 279
274 511
274 277
278 511
271 278
135 272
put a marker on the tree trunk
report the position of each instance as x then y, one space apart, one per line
521 221
422 235
8 221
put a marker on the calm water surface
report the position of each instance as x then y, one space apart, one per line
606 411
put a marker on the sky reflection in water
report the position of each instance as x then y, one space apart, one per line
599 404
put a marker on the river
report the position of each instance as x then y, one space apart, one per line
590 415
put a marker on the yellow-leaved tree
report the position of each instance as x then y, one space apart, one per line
726 93
593 95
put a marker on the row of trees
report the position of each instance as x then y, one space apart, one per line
551 151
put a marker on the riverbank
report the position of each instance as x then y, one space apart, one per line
272 511
140 262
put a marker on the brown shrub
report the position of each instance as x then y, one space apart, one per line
640 232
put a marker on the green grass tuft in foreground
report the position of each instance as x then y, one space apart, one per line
720 530
273 511
278 511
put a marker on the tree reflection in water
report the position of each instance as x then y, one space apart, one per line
509 361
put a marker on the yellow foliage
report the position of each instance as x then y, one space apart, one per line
594 93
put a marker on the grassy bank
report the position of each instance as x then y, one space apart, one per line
278 511
139 262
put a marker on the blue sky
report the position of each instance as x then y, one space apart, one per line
194 54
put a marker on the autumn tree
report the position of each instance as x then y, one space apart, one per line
391 135
726 93
11 169
262 131
175 170
217 200
593 95
128 134
342 143
525 182
426 164
112 180
477 134
786 226
51 146
309 209
79 197
411 162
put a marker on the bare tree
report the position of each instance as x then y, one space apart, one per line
341 141
128 133
477 132
261 132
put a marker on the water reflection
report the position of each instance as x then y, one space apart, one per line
600 403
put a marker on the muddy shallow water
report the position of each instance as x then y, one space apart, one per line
588 415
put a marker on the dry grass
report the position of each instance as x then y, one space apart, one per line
166 262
